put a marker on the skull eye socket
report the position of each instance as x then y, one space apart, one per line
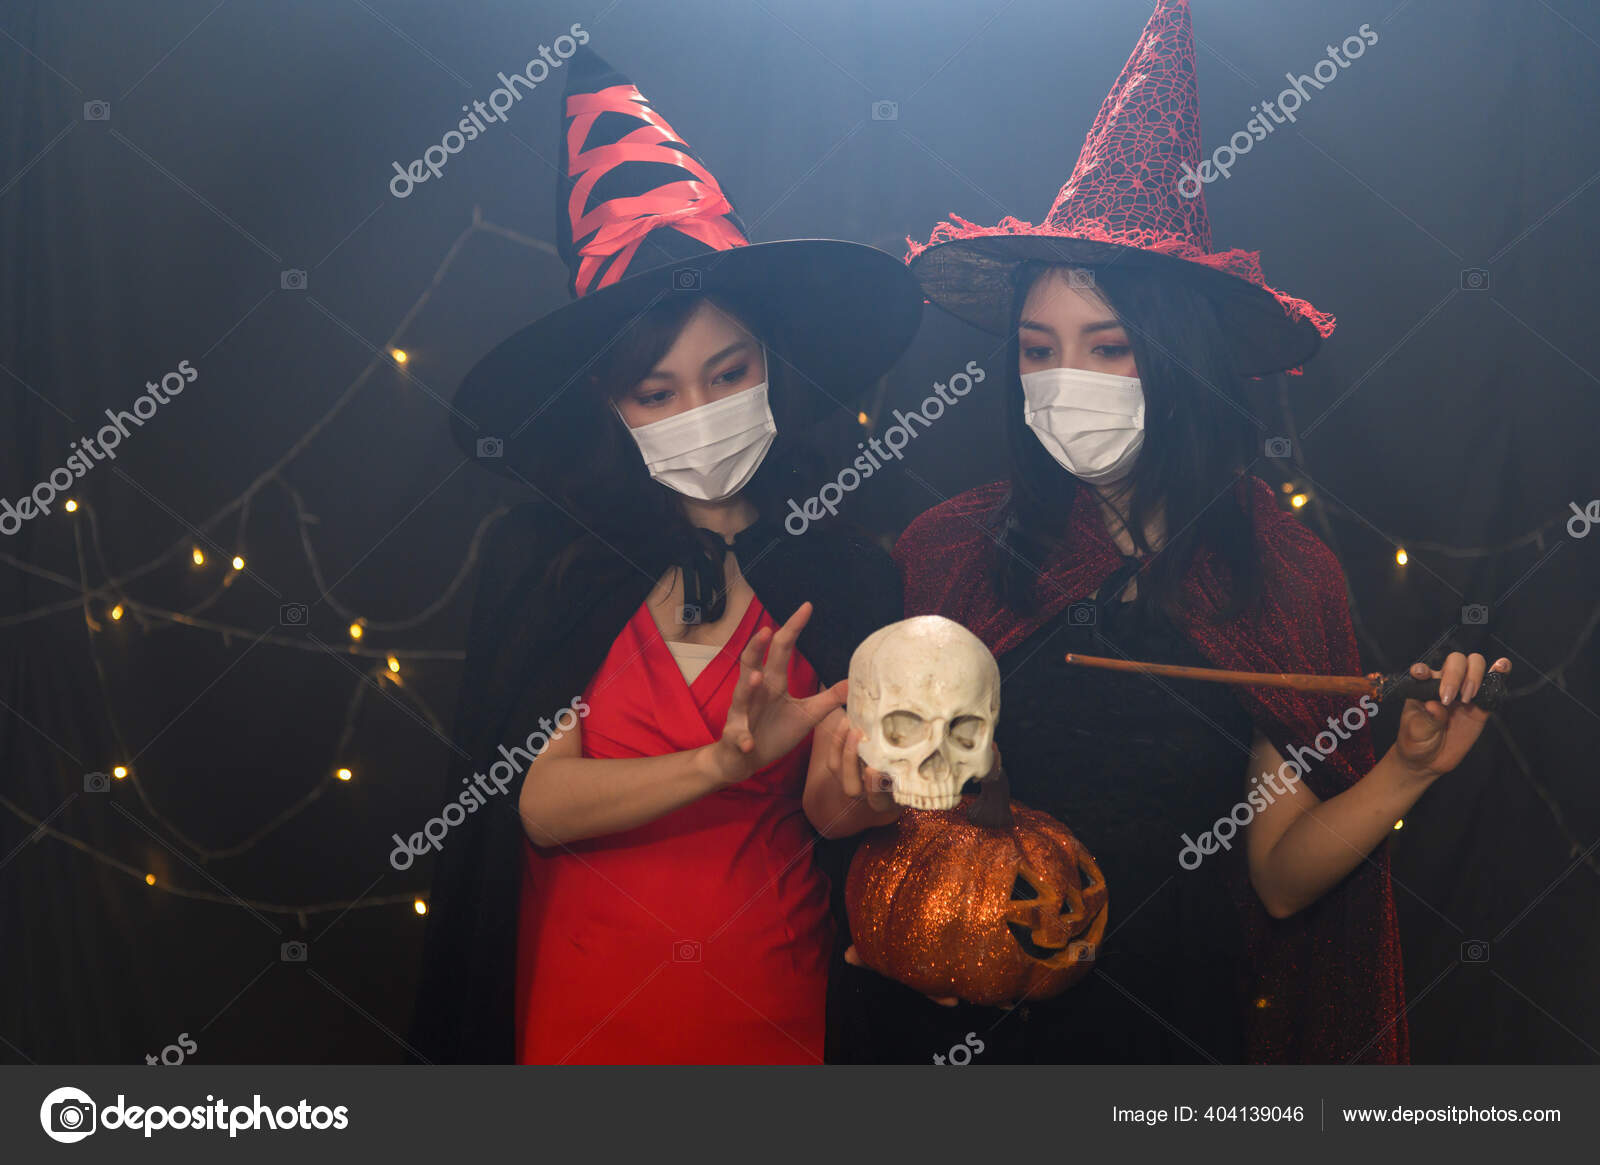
965 730
903 728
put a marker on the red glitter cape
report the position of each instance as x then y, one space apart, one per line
1329 986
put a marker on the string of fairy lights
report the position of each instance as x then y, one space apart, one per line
111 602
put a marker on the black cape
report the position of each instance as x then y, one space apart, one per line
533 644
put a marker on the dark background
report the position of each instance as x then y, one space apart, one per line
247 138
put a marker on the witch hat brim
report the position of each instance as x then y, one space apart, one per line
973 280
1126 205
642 219
847 310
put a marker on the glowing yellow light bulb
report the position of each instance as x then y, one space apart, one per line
1401 557
1298 500
149 879
238 562
861 418
116 612
1400 823
344 774
72 506
356 631
394 664
420 906
399 354
199 556
119 772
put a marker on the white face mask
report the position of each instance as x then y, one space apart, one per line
1092 423
713 451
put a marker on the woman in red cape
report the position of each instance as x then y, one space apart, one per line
1240 830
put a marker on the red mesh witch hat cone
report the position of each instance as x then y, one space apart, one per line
1124 204
640 218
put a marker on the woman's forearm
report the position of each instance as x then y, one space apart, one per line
834 813
1329 840
566 799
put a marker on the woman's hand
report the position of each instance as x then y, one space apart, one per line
842 796
764 721
840 744
1436 735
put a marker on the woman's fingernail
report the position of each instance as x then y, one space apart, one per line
1467 692
1446 694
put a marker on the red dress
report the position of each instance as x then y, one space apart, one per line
700 937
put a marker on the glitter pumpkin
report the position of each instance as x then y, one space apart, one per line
993 915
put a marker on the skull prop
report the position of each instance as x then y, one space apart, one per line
924 694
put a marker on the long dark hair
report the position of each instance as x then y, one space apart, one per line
1196 445
604 481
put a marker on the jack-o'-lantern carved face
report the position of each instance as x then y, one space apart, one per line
1047 920
991 915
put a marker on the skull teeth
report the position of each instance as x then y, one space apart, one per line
928 800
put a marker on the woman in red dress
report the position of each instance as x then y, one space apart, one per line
656 898
671 911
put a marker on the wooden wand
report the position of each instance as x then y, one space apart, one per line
1491 693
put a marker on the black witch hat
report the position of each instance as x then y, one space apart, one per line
641 219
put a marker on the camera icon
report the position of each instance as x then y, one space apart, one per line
292 280
1082 614
1474 279
685 951
1475 951
292 952
71 1119
491 447
97 111
1280 447
689 614
1474 614
1080 277
96 782
294 614
686 279
885 111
